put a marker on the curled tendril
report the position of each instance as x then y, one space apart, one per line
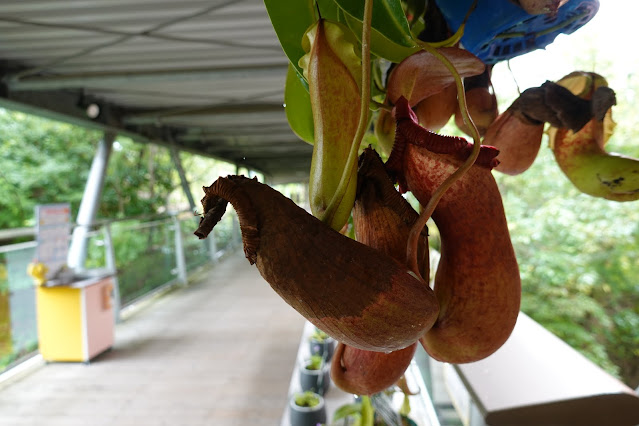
411 250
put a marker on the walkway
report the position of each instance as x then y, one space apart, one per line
219 352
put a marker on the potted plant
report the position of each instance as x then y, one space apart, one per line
321 344
314 375
373 410
307 409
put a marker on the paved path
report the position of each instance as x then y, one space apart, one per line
220 352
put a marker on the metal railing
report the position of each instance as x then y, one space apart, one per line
144 254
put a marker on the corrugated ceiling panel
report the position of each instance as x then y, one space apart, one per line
156 55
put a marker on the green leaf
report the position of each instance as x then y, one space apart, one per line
298 106
388 19
328 10
416 9
347 410
290 20
368 412
405 408
380 45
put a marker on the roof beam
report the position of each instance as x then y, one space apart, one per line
70 81
166 115
272 149
215 133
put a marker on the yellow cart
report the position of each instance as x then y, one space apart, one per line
75 321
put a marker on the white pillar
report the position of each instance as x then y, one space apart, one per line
90 202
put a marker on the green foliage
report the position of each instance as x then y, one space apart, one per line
306 399
4 278
377 409
202 172
298 106
381 46
42 162
139 180
45 161
6 359
319 336
388 19
352 410
144 257
391 37
316 362
290 19
404 410
359 413
368 412
150 271
577 256
130 245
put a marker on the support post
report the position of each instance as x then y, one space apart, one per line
175 155
109 254
212 247
236 239
90 202
180 259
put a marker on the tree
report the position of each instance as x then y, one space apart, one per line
48 162
43 162
139 180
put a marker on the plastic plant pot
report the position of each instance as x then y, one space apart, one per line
498 30
317 381
323 348
307 416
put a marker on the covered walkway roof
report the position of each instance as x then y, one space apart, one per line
204 75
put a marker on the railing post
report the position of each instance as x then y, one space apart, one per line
476 417
212 247
237 235
179 252
109 254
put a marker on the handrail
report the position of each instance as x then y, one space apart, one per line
8 234
168 215
153 223
11 233
17 246
536 378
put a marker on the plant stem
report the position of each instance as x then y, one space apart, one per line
381 106
413 236
454 39
365 94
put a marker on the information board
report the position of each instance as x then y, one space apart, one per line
52 230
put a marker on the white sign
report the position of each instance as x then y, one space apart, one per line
53 227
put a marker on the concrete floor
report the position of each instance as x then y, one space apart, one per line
219 352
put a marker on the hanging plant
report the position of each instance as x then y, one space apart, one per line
370 295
